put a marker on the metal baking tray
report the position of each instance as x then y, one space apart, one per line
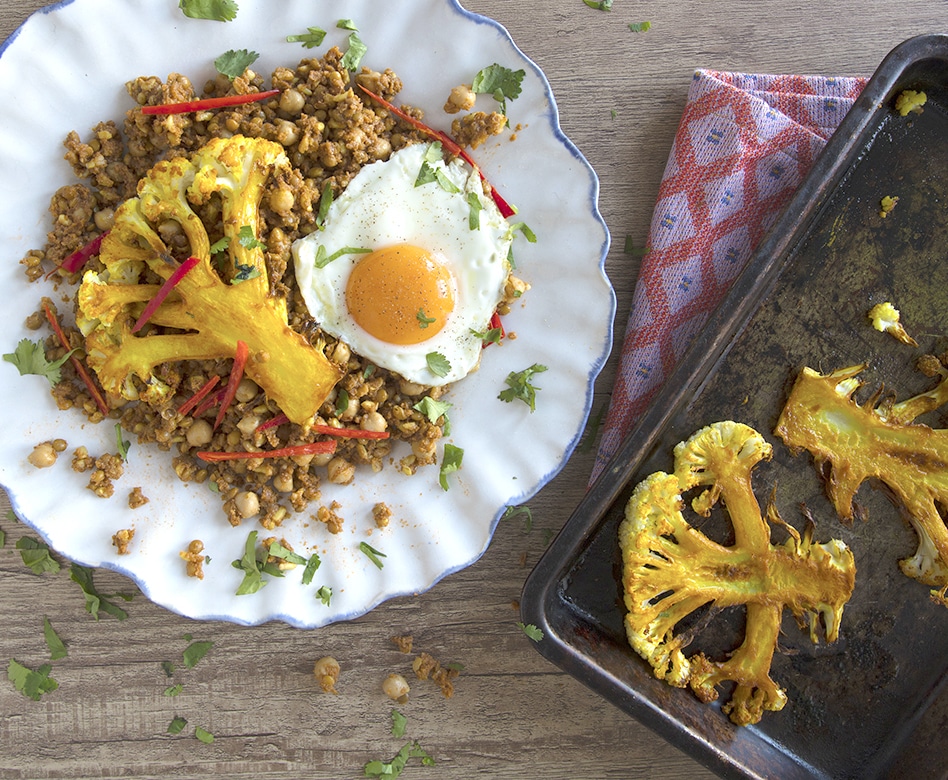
875 703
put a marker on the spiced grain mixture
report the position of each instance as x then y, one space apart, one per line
329 132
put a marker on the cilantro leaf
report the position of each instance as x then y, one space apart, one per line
433 410
233 62
503 83
3 537
515 511
323 259
342 402
173 690
640 26
325 201
474 216
347 24
194 652
248 239
423 321
354 54
177 725
95 601
518 386
30 358
122 444
215 10
372 554
450 462
599 5
56 647
394 767
531 631
399 721
220 245
312 38
277 550
251 567
311 565
32 684
36 556
204 736
430 172
438 364
324 594
524 228
490 336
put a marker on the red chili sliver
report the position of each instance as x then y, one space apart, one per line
449 145
496 324
208 103
236 374
80 369
195 399
313 448
81 256
167 287
273 422
350 433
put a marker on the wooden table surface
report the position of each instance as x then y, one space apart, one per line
513 715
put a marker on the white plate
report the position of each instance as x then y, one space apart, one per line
65 69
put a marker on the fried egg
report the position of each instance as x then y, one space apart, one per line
410 265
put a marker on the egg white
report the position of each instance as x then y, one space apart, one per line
382 207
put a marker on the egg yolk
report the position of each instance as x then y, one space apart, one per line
400 294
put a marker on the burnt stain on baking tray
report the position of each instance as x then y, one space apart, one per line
874 704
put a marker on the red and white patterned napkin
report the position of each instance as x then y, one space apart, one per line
744 144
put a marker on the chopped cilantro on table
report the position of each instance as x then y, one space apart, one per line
57 649
519 386
518 511
501 82
214 10
599 5
394 767
399 721
347 24
3 537
36 556
30 358
95 601
31 683
450 462
310 570
640 26
531 631
173 690
177 725
312 38
324 594
203 735
122 444
195 652
233 62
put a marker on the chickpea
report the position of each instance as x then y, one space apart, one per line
105 218
248 424
341 471
247 504
462 98
327 671
282 200
292 102
374 422
169 229
287 133
341 353
283 482
395 686
43 455
199 433
410 388
247 390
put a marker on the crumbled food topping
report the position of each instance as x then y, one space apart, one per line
428 667
329 516
136 498
886 205
194 559
382 514
122 539
327 672
403 643
909 101
108 468
474 129
82 460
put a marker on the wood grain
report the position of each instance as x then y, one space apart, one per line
513 715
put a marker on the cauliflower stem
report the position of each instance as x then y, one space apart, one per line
208 311
671 569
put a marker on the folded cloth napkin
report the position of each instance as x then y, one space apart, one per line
744 144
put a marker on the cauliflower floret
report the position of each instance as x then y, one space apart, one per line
885 319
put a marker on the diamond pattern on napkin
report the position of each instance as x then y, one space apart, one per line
744 144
